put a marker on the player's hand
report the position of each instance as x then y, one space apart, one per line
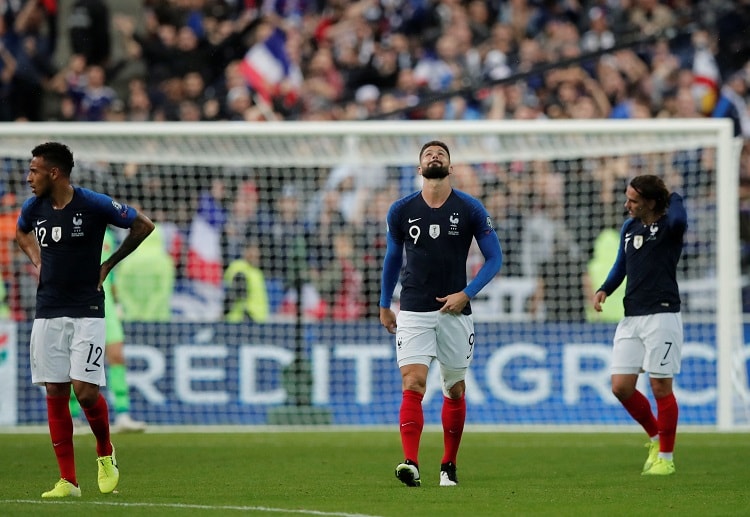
453 303
599 298
388 319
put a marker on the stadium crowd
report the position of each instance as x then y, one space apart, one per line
247 60
338 60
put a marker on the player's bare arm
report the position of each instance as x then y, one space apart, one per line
453 303
30 246
141 228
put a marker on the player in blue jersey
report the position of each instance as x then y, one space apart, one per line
649 337
61 229
435 227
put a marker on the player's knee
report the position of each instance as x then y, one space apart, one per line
456 391
87 395
454 384
414 383
622 392
661 387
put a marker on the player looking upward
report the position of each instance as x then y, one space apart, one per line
436 227
649 337
61 229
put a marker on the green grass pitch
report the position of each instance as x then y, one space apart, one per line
350 473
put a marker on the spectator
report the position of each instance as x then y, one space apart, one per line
732 104
246 217
370 243
560 295
597 270
503 207
598 36
323 84
199 94
138 104
5 314
285 245
144 281
651 17
92 97
239 103
33 48
9 211
7 72
340 282
89 31
245 293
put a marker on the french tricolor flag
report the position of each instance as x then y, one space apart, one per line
266 64
204 242
706 79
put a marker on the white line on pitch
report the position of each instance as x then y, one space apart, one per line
191 507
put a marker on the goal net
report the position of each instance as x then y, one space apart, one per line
265 311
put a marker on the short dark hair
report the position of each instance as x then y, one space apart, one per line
55 154
651 187
434 143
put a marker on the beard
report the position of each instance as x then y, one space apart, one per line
435 171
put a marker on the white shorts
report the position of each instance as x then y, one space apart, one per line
651 343
424 336
68 348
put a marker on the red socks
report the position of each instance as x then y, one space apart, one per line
61 432
667 423
98 417
640 409
453 416
411 420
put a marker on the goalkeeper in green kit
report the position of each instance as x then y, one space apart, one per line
115 358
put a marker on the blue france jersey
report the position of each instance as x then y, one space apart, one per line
648 256
436 242
71 248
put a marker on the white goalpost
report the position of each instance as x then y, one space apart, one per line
221 190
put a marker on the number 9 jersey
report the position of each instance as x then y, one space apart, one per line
436 243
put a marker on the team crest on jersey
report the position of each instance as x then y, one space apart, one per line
77 222
56 233
453 227
638 241
434 231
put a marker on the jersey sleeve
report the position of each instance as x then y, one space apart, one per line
393 258
617 273
489 244
676 214
24 217
116 213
